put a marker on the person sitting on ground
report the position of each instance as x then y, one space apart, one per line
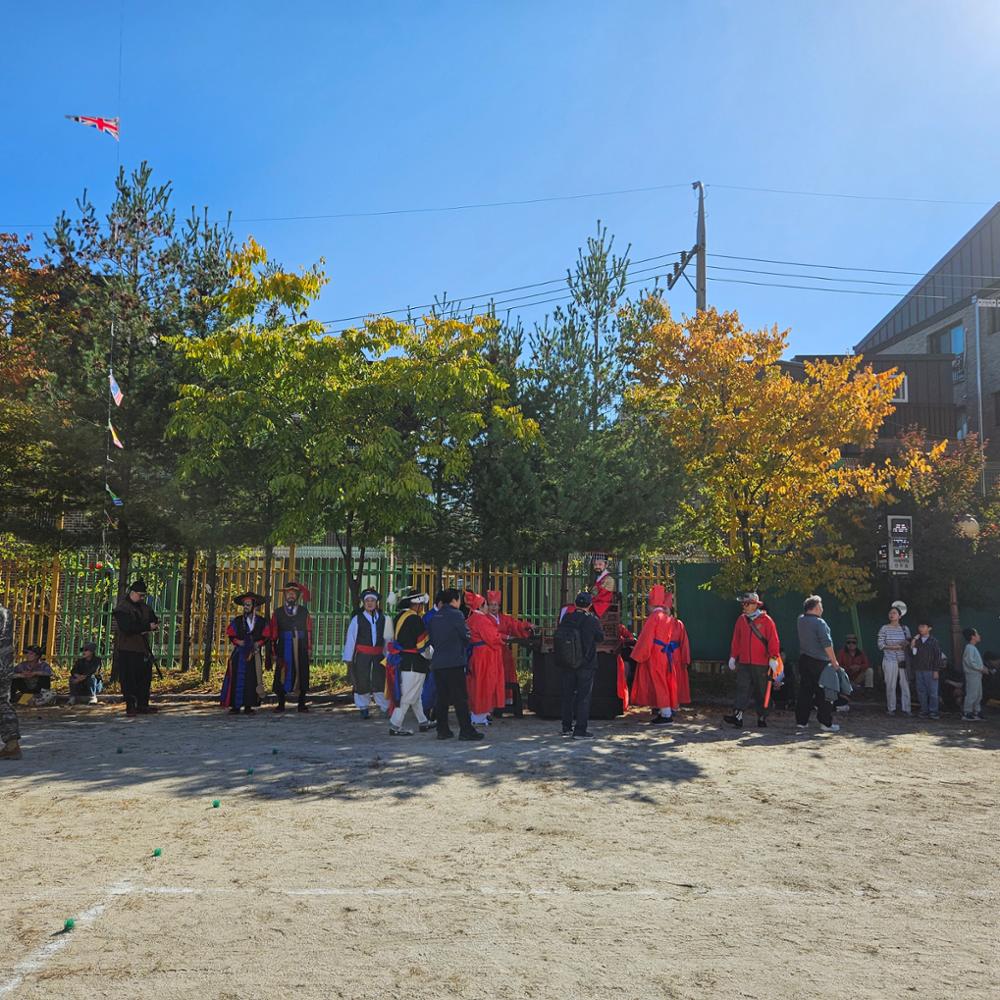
33 676
855 662
85 678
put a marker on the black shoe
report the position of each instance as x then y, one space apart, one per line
584 736
735 720
426 726
661 720
567 732
280 707
470 737
234 711
761 722
446 735
249 710
303 708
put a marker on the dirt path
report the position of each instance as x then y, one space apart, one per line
689 862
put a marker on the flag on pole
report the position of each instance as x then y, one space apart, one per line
115 439
116 394
106 125
115 499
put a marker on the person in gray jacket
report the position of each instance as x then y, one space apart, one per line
815 653
449 637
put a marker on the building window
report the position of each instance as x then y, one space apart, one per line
951 340
903 392
961 424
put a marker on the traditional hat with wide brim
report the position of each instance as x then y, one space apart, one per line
300 588
258 599
410 595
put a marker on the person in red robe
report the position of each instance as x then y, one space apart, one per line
657 655
510 628
682 658
603 589
485 672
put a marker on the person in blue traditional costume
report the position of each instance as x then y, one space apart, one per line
290 632
243 685
364 650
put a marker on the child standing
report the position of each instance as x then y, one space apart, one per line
972 664
927 662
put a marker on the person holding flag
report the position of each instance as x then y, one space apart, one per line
243 685
290 632
658 654
408 664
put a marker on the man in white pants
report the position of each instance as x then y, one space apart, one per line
413 664
364 650
893 640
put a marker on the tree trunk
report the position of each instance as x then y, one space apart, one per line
213 576
564 582
268 588
956 625
124 555
186 611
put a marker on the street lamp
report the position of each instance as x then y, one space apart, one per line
966 527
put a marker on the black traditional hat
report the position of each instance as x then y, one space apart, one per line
137 586
410 595
300 588
258 599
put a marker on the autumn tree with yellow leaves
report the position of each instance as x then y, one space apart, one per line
762 447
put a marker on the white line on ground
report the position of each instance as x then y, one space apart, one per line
38 958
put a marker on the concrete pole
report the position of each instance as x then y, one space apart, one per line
700 278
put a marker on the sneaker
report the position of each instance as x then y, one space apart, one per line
92 700
832 728
470 737
426 726
761 722
363 713
71 700
394 731
843 708
978 718
891 714
968 718
567 732
735 720
801 725
584 736
934 715
924 715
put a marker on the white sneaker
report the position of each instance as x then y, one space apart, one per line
832 728
92 700
71 700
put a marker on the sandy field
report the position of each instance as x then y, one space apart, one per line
690 861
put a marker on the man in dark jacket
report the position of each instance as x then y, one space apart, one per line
449 636
135 621
10 734
578 684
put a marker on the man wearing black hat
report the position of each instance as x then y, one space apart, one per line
84 682
290 631
243 685
135 621
367 634
411 653
10 733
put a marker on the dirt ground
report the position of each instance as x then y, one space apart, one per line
684 862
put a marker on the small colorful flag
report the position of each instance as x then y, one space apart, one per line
115 499
106 125
116 394
115 439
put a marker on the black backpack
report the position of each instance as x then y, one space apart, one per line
567 645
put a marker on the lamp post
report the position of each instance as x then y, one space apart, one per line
966 527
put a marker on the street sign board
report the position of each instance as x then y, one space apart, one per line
900 544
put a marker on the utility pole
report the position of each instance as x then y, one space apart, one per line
700 278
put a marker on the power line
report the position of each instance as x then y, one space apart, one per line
851 197
811 277
843 267
816 288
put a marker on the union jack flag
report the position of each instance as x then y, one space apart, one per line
108 125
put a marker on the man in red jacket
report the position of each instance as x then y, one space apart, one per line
754 652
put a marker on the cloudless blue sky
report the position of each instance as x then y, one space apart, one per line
304 108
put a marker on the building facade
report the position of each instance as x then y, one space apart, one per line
952 314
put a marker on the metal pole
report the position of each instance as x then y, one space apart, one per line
700 277
979 394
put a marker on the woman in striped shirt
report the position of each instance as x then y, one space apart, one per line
893 640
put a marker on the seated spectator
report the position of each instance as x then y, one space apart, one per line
85 678
855 662
32 676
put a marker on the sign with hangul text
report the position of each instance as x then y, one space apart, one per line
900 544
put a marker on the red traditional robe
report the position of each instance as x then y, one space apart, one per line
511 628
485 679
602 596
657 656
682 660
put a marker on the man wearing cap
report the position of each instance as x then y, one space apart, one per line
510 628
603 589
243 685
10 732
485 673
290 632
855 662
659 652
136 622
577 685
84 682
33 676
754 652
408 653
368 631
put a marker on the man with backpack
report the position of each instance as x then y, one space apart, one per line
575 649
754 653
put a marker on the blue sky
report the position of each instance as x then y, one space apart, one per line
307 108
